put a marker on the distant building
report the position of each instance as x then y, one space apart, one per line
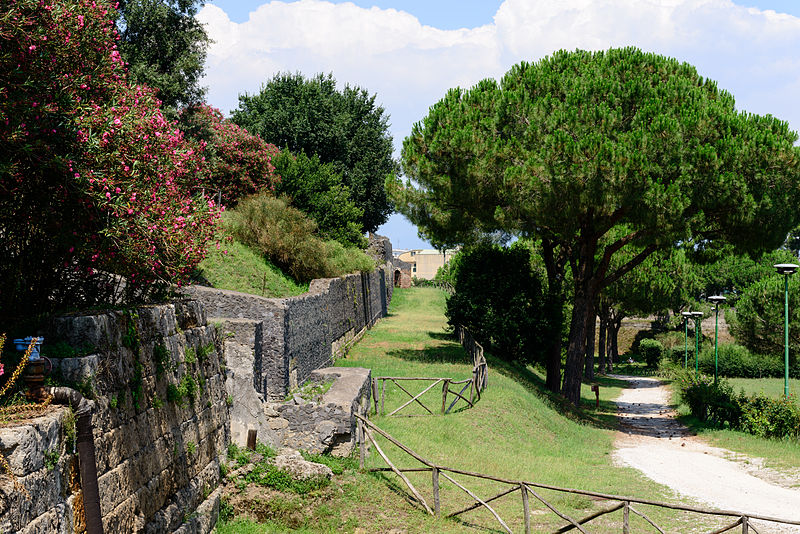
425 262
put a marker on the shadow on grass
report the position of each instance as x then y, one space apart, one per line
450 353
604 417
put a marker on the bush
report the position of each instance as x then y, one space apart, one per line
652 351
238 163
94 179
756 414
736 361
288 238
499 298
770 418
711 402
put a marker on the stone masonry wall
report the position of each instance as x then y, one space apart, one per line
160 423
294 336
274 345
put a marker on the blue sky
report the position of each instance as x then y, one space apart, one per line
410 52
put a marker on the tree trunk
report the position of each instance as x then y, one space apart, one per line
613 348
601 342
583 308
553 379
573 369
588 370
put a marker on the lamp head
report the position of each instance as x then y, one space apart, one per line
697 313
686 314
717 299
786 268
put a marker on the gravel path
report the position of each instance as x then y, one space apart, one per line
653 442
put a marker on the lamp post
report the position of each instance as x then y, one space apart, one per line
686 316
786 269
717 300
698 317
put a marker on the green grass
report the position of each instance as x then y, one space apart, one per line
243 269
779 454
771 387
516 431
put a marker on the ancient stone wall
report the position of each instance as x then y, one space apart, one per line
160 424
274 345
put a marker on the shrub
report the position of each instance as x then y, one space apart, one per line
499 299
770 418
711 402
287 237
94 179
736 361
756 414
239 163
652 351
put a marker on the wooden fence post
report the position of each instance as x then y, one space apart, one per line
745 525
445 388
383 393
435 477
251 439
625 514
375 394
526 510
361 444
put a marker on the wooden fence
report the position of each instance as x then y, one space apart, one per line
476 384
528 492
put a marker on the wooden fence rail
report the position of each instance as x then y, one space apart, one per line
367 431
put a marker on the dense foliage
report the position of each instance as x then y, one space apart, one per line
652 351
344 128
93 179
579 144
316 189
759 319
500 300
756 414
287 237
165 48
238 163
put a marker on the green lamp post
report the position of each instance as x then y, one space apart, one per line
717 300
786 269
686 316
698 317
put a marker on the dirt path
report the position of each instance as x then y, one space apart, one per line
653 442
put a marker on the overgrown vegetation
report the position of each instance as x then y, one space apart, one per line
757 414
499 299
288 238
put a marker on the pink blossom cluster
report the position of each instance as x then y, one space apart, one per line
95 149
239 163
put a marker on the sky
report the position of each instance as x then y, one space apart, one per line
409 53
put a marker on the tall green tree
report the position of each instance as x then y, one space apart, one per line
345 128
580 143
165 48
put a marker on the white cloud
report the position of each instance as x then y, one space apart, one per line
753 54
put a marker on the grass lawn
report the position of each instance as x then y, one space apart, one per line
516 431
771 387
242 269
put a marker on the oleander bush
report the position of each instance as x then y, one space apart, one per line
94 182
